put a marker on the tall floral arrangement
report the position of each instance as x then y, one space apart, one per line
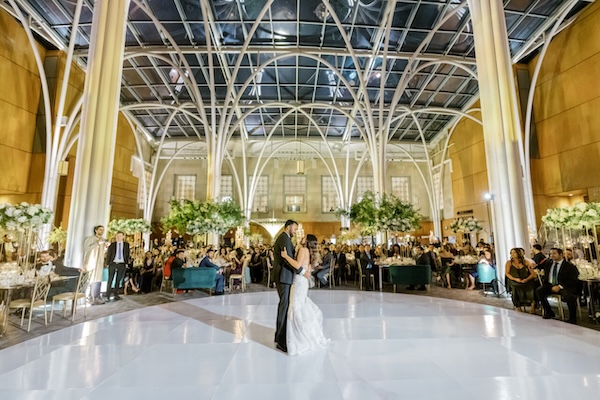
574 217
466 225
387 213
197 218
24 216
129 226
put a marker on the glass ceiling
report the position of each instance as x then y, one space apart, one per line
351 66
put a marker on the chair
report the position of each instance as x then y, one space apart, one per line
82 284
558 297
38 299
362 275
241 276
486 274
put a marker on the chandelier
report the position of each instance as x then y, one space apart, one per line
272 225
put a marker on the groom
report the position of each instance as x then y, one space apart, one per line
283 273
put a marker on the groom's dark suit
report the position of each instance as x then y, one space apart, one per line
283 273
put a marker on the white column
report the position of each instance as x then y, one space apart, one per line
501 127
96 147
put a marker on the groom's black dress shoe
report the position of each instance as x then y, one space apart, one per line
282 348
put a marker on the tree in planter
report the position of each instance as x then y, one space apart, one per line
386 214
198 218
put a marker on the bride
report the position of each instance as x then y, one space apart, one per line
305 320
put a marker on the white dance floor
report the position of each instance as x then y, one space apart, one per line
383 346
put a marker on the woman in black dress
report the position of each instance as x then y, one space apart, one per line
147 273
521 275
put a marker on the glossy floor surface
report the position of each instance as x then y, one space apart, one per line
383 346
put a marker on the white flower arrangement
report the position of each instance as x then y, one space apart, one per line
24 216
129 226
466 225
573 217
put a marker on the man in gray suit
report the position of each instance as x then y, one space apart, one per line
283 273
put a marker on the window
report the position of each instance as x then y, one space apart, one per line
260 202
329 196
185 187
226 187
401 188
363 184
294 187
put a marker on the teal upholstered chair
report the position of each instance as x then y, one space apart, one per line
410 275
486 274
194 278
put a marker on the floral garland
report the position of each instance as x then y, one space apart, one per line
466 225
24 216
129 226
574 217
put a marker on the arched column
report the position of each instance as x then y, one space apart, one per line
501 127
90 202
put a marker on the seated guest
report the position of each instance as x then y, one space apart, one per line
367 262
147 273
447 259
538 255
560 277
519 272
59 266
44 265
422 258
179 260
207 263
325 266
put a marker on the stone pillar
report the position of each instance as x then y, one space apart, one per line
501 128
90 202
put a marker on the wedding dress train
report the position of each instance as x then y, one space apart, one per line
305 320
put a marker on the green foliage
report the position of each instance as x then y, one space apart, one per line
387 213
197 218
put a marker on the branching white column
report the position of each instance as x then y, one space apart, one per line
501 127
96 148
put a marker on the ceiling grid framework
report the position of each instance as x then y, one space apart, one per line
309 59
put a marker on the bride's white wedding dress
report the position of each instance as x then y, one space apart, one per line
305 320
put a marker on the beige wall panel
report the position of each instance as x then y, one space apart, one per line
18 127
568 89
14 44
36 174
576 43
20 87
15 166
546 175
580 167
570 129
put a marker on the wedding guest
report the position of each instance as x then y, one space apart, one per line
147 273
560 277
255 266
447 259
520 272
93 260
421 258
367 262
207 263
117 258
538 255
340 264
158 268
324 268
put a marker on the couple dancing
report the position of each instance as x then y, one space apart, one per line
299 320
